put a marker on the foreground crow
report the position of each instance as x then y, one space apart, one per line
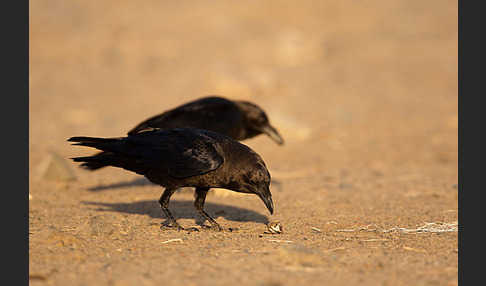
239 120
185 157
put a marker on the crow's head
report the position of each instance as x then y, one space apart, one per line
257 181
250 175
257 122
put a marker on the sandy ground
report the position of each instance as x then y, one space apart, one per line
364 92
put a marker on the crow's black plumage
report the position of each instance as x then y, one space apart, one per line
185 157
239 120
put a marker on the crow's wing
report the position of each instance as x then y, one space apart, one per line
183 154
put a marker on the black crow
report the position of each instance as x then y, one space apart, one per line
237 119
185 157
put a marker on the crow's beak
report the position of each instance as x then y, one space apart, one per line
267 200
273 133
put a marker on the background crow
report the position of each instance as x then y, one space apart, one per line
237 119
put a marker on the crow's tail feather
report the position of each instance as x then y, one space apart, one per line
98 143
89 141
115 153
95 162
99 160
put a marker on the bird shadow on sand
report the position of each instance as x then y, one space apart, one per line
138 182
120 185
182 209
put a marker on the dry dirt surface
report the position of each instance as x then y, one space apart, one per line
364 93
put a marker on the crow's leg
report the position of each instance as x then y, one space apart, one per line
199 204
164 204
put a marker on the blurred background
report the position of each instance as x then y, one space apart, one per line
334 72
364 93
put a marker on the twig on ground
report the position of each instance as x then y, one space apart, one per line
334 249
172 240
434 227
414 249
